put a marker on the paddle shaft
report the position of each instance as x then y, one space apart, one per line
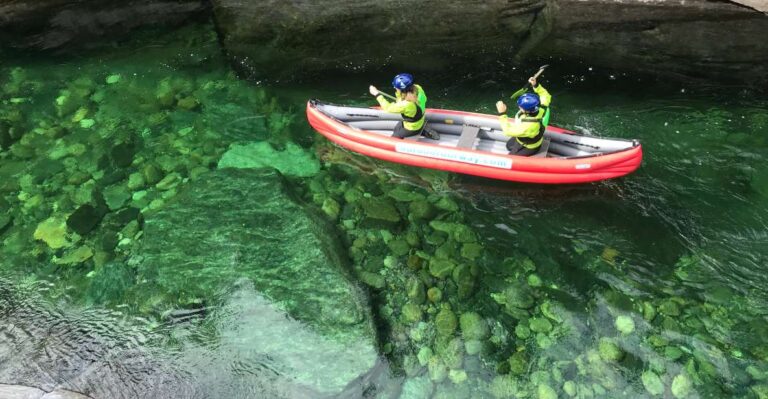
527 85
391 97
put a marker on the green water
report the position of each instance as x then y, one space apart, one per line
649 285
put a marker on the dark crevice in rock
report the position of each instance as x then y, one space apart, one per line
538 30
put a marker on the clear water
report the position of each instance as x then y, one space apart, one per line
674 254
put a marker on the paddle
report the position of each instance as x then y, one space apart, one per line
527 85
391 97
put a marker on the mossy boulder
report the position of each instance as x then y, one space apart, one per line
437 369
406 194
399 247
411 313
545 391
465 282
450 351
625 324
52 231
421 210
445 322
681 386
380 209
415 290
291 161
434 294
669 308
473 326
441 268
459 232
652 383
518 363
609 351
515 296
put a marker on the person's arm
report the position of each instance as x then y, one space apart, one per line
510 128
398 107
544 97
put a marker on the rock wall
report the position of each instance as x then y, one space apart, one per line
696 38
48 24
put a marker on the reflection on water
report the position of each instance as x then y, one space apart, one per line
651 285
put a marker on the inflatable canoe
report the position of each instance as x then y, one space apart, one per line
473 144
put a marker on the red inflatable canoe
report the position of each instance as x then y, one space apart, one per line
473 144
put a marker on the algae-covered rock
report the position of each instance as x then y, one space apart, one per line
52 231
522 331
434 294
447 204
649 312
503 387
672 353
441 268
291 161
625 324
415 290
543 341
459 232
417 388
569 387
380 209
437 370
424 355
465 282
669 308
760 391
331 208
545 391
473 347
421 210
405 194
473 326
518 363
609 351
457 376
471 250
681 386
445 322
652 383
514 296
399 247
116 196
534 280
411 313
374 280
450 351
539 325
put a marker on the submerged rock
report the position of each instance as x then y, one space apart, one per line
53 232
234 224
292 161
609 351
652 383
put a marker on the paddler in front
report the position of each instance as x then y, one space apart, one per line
526 129
410 102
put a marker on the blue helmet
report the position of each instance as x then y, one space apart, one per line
402 81
529 102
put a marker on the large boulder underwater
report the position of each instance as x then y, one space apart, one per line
252 292
244 225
